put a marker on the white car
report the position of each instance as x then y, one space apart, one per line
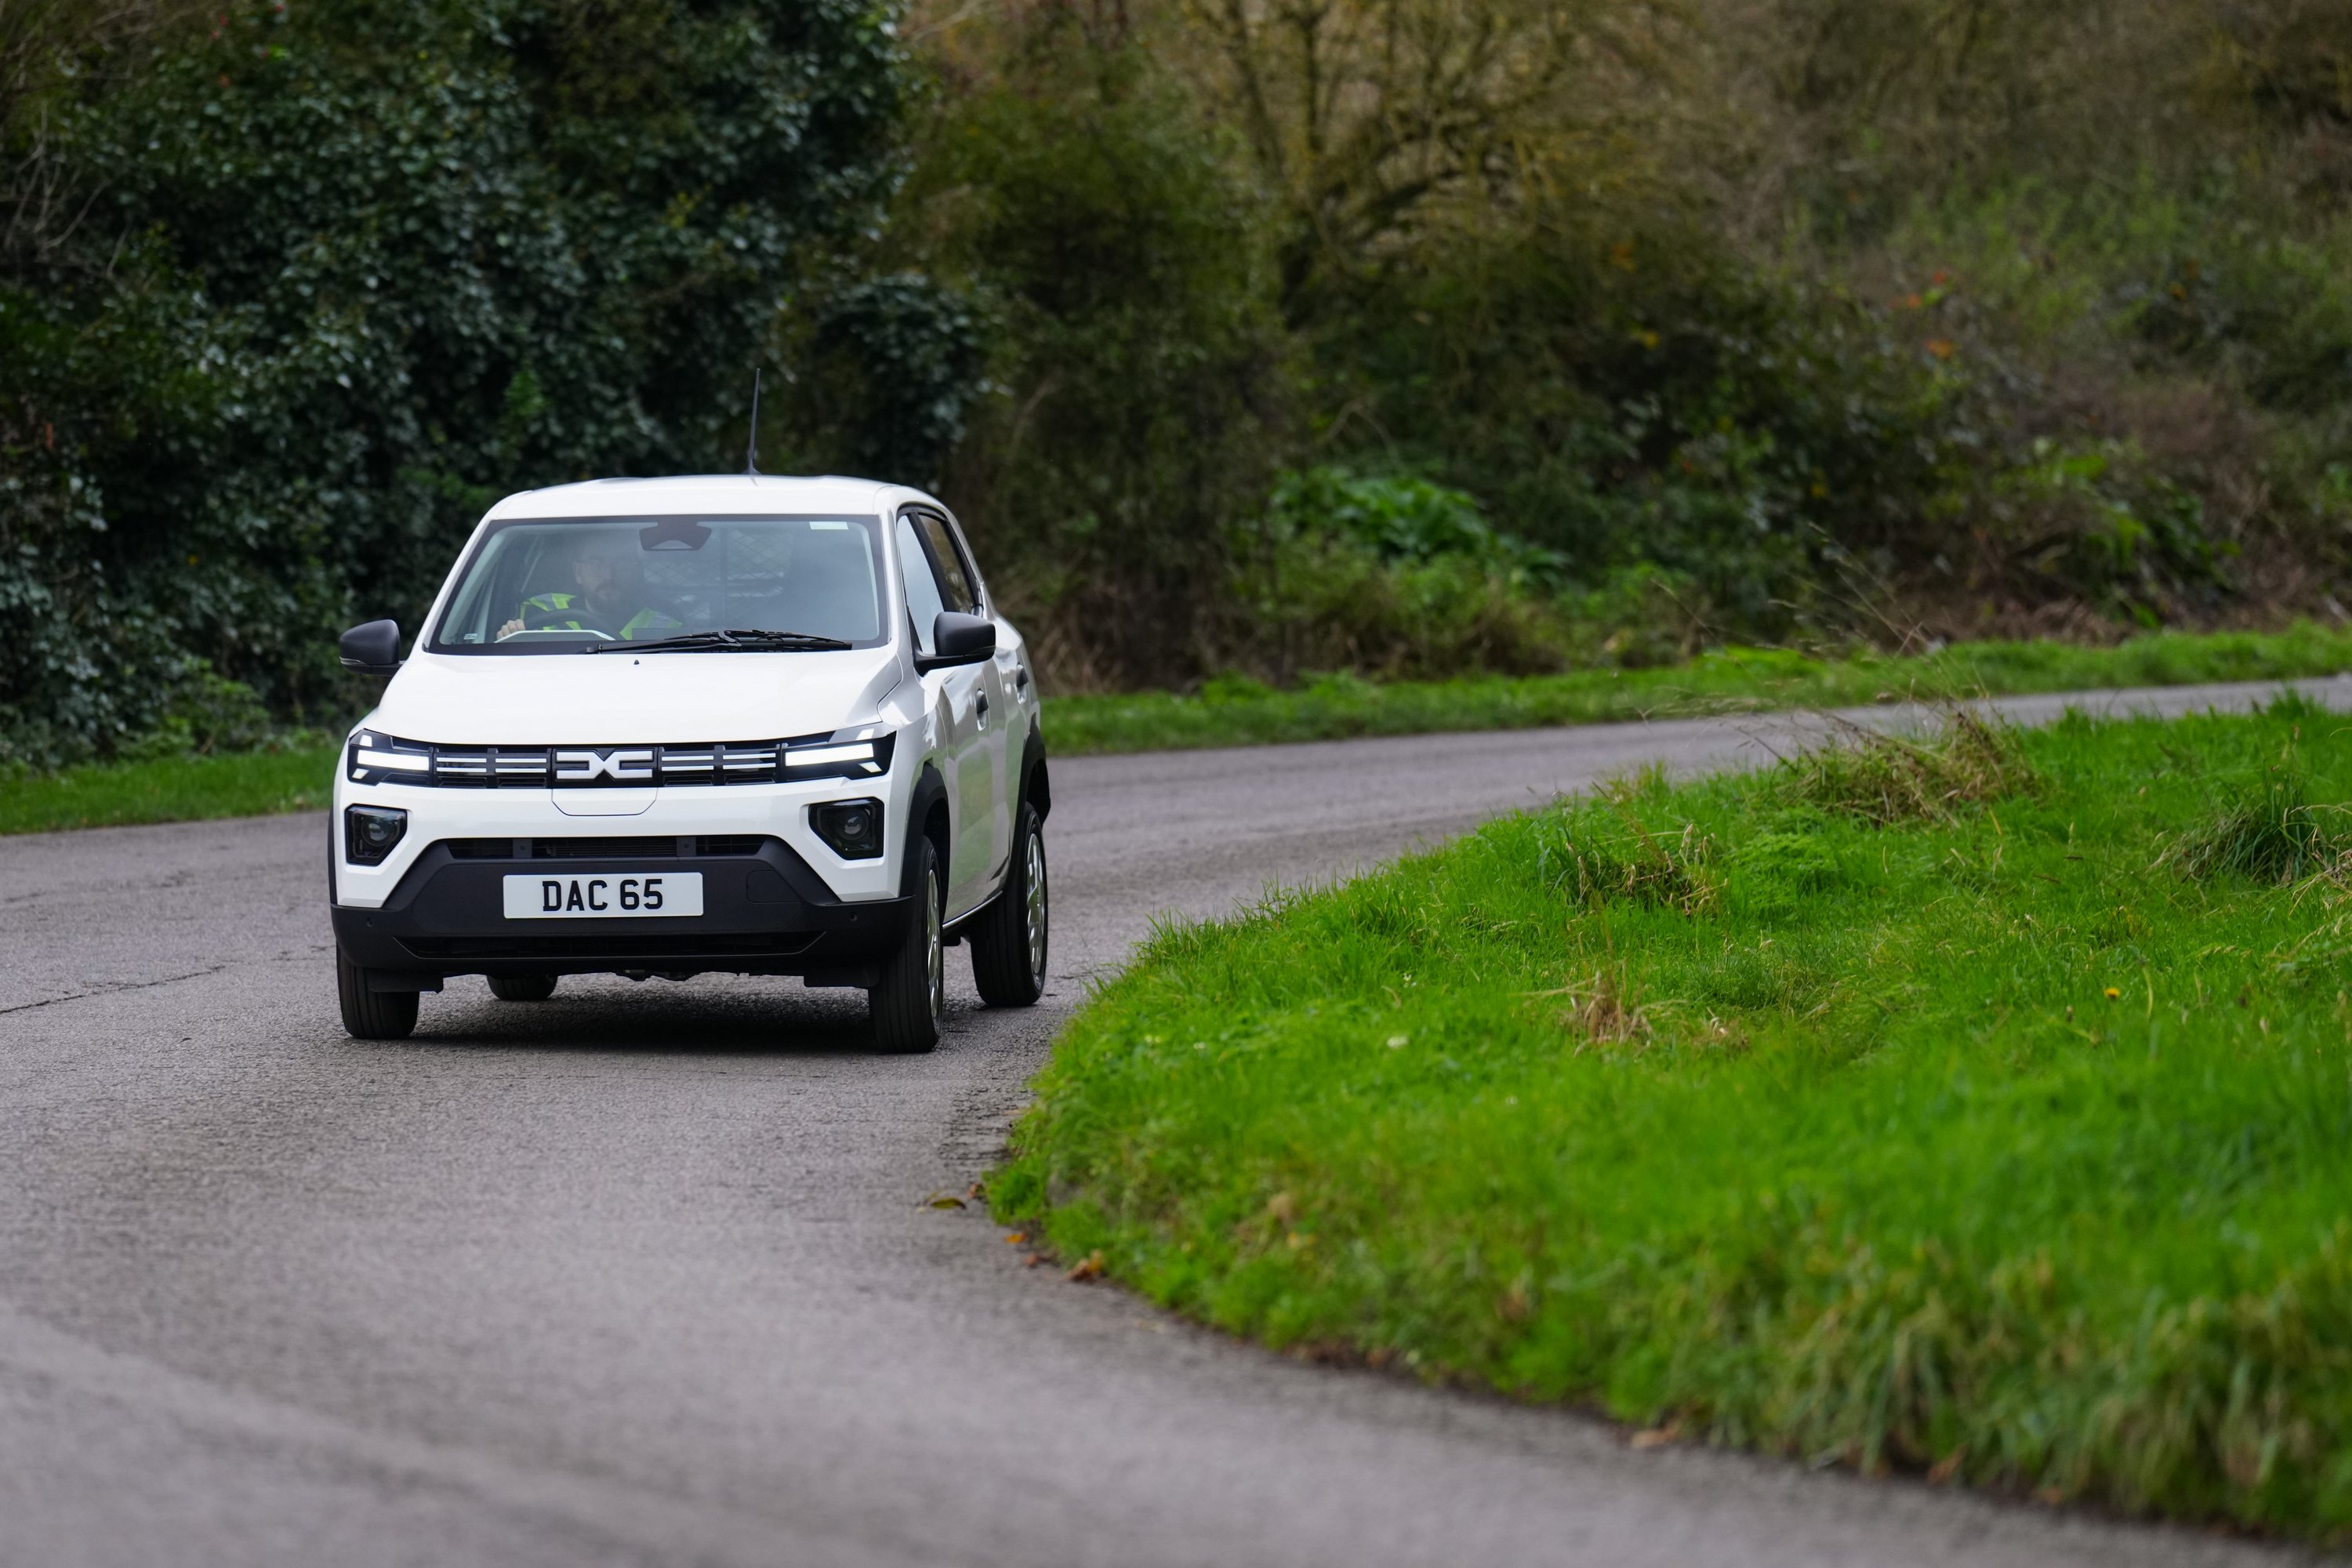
666 727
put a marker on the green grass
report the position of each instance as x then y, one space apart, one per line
1998 1126
1242 713
174 789
1734 680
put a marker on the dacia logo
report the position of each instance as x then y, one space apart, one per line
619 765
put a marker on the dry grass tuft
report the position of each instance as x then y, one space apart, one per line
1895 779
1665 870
1602 1010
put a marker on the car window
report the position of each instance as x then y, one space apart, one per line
551 585
925 598
955 580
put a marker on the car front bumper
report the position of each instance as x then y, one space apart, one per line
765 912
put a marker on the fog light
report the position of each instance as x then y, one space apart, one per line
370 833
853 828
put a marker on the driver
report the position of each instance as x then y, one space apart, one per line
612 598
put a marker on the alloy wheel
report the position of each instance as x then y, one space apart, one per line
1035 914
935 956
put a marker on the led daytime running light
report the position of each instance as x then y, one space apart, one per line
829 756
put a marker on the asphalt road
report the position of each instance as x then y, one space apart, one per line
645 1274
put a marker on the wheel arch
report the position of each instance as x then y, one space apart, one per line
928 818
1036 787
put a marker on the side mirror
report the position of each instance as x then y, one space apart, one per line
373 648
958 640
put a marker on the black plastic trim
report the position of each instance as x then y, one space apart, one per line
356 850
767 913
1036 784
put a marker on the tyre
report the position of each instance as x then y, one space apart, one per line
522 987
371 1014
1008 939
906 1006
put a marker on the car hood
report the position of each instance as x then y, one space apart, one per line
615 698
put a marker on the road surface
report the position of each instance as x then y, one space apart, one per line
645 1274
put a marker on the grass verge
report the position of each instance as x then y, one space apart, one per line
173 789
1732 680
1993 1127
1242 713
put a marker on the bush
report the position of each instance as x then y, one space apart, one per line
1393 576
347 273
1131 400
1403 519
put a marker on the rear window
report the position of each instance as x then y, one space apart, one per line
554 585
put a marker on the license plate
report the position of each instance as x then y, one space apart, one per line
602 895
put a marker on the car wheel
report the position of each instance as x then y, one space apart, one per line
1008 939
522 987
906 1005
369 1014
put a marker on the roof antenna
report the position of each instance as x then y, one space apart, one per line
752 448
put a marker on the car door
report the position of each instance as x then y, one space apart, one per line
1000 718
963 694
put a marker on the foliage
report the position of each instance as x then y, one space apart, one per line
1390 577
1644 399
1827 318
888 378
1228 329
1131 396
1401 519
1975 1144
346 273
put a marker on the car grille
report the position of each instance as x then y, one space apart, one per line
540 767
729 843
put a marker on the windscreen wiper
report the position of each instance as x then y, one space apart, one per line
737 640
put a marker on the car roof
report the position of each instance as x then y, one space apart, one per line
715 493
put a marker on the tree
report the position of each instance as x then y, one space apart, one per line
1366 116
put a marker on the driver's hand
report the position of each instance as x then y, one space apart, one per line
509 629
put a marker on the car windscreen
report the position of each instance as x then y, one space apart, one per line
556 585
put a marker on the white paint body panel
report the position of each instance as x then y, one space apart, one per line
626 698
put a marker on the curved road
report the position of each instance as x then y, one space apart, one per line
645 1274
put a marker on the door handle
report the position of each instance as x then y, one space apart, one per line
981 708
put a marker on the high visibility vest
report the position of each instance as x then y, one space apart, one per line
547 613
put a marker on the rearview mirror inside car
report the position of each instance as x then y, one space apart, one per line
373 648
958 640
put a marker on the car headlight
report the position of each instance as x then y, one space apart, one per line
837 758
372 758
